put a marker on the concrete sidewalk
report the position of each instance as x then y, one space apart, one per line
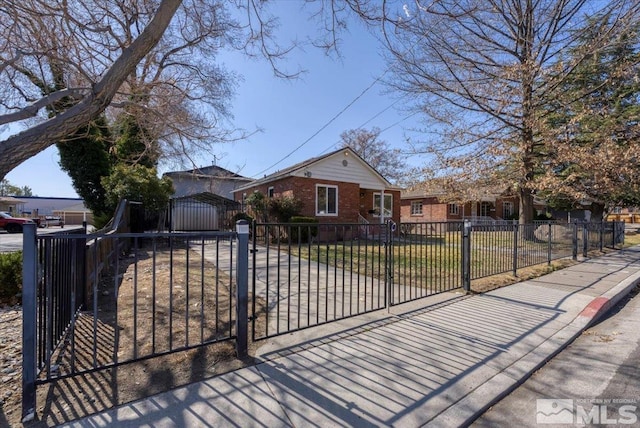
440 361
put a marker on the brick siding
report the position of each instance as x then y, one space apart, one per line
351 199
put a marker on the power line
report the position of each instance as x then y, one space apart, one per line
373 117
399 121
381 111
325 125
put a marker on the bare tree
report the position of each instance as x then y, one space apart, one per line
481 72
64 63
389 162
92 96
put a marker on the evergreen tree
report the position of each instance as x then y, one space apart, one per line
138 183
592 133
85 157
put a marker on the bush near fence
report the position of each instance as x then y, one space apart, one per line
304 233
10 277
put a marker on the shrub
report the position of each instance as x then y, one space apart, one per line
257 202
100 220
10 276
303 230
239 216
545 216
283 208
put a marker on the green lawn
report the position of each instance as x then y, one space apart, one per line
631 240
431 260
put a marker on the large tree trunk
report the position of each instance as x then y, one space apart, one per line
597 211
526 206
20 147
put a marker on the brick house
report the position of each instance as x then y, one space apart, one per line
339 187
419 206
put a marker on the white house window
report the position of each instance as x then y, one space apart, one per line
388 204
454 209
416 207
507 210
326 200
270 192
617 210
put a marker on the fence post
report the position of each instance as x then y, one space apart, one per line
242 288
602 229
574 240
81 276
389 265
515 247
254 251
618 233
466 256
549 255
29 317
585 240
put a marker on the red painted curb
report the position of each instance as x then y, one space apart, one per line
596 306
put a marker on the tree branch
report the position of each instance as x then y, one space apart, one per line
19 147
33 109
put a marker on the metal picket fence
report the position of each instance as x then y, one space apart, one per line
95 301
309 274
155 294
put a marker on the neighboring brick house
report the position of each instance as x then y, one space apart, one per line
339 187
626 214
419 206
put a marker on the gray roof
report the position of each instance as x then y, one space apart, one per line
208 198
289 171
208 171
11 200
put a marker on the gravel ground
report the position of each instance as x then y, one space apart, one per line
10 365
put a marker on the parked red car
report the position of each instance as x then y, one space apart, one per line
13 224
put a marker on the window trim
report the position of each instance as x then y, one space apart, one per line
416 212
506 204
485 212
454 209
326 214
382 203
270 191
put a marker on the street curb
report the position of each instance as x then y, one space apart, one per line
600 305
474 404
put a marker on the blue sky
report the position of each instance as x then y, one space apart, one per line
289 112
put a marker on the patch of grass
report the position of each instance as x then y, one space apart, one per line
631 239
